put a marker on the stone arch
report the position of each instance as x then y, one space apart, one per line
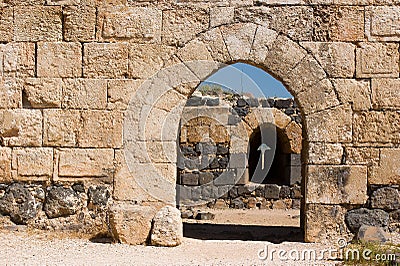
161 100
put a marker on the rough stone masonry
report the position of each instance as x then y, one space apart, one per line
72 72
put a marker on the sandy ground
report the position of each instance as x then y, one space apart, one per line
20 247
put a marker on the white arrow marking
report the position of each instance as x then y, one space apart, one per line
263 148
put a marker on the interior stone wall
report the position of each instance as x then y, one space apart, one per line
73 72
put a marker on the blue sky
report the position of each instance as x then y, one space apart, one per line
242 77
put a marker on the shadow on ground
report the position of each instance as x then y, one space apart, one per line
274 234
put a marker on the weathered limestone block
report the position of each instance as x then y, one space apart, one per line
355 92
294 134
131 224
388 171
105 60
5 165
85 162
167 229
61 127
34 164
221 15
280 119
10 93
145 60
337 58
325 223
293 21
333 23
386 93
239 39
19 204
21 127
362 155
6 24
262 43
382 23
333 125
386 198
324 153
43 92
79 23
182 25
84 94
336 184
216 45
318 97
19 59
102 129
59 60
37 23
139 24
161 152
383 127
305 76
60 202
120 93
377 60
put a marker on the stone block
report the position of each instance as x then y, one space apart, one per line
120 93
6 24
145 60
354 92
372 234
383 127
182 25
62 60
333 125
190 179
386 93
10 93
5 165
205 178
239 39
79 23
85 162
337 58
61 202
377 60
28 19
325 223
294 134
61 127
43 92
138 24
84 94
362 155
102 129
131 224
271 191
382 23
33 164
293 21
18 59
216 45
386 198
388 171
167 228
338 23
221 16
106 60
21 127
62 2
336 184
324 153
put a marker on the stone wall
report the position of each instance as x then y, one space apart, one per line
68 69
